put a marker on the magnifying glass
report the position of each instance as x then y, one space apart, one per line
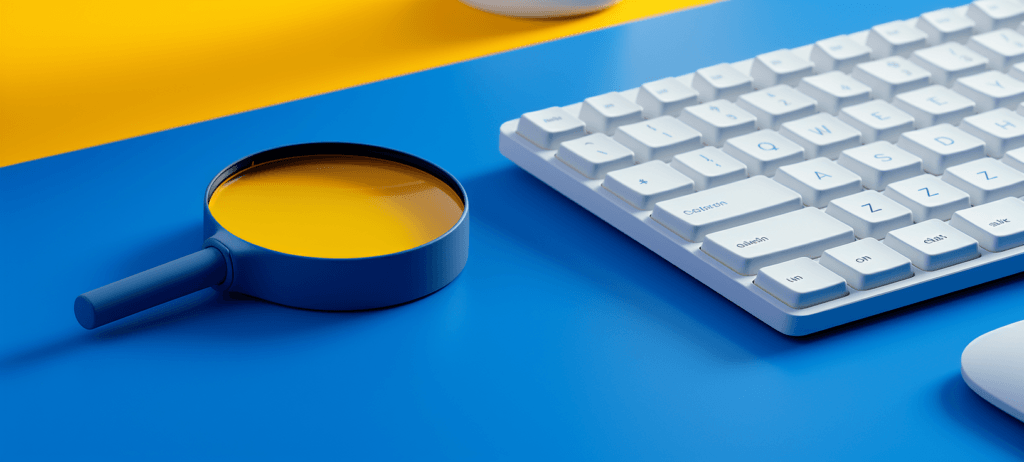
321 226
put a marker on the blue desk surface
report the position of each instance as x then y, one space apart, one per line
562 339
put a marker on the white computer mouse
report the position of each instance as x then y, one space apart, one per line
993 366
540 8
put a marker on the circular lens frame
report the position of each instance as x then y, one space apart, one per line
339 284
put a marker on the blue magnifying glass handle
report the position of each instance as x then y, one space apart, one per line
174 279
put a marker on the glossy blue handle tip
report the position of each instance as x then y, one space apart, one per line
205 268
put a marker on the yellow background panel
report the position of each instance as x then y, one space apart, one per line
75 74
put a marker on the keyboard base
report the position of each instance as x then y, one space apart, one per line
741 289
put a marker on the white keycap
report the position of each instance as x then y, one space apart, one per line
804 233
548 127
838 54
880 163
1013 158
1003 48
895 38
595 155
986 180
646 184
696 215
990 90
834 91
604 113
945 25
928 197
934 105
718 120
867 264
995 14
933 245
997 226
870 214
818 181
949 61
821 135
721 81
667 96
1017 70
1001 129
877 120
709 167
890 76
658 138
942 146
775 105
764 151
801 283
779 67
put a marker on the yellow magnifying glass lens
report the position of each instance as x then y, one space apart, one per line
336 206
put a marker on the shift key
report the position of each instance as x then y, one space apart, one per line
694 216
804 233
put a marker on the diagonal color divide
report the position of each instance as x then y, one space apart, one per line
81 74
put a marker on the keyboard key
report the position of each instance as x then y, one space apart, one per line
696 215
645 184
775 105
834 91
928 197
934 105
721 81
821 135
997 226
604 113
818 181
890 76
986 180
595 155
803 233
801 283
779 67
718 120
945 25
549 127
880 163
942 146
895 38
870 214
949 61
1001 129
667 96
709 167
658 138
995 14
838 54
1017 70
867 264
1002 47
764 151
1013 158
933 245
877 120
990 90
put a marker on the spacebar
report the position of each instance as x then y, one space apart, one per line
804 233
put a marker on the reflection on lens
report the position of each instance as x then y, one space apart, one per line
336 206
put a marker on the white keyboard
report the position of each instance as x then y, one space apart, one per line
818 185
